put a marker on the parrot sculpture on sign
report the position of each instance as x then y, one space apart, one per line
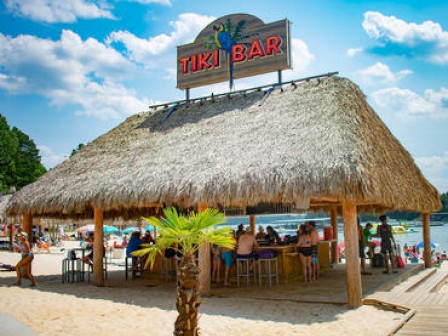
225 42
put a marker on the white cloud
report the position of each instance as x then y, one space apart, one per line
408 104
352 52
301 55
185 30
52 11
396 36
435 168
70 72
161 2
380 72
49 157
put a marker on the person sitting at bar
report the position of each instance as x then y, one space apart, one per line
147 238
239 232
133 245
261 235
272 235
245 249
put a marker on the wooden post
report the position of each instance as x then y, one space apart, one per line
426 240
205 264
334 243
98 248
252 224
352 268
28 226
11 235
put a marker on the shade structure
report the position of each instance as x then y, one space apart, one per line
422 244
91 227
110 229
131 229
311 145
85 228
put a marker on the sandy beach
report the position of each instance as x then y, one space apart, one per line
137 307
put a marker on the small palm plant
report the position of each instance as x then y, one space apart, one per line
185 234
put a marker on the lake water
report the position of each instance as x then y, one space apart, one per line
439 234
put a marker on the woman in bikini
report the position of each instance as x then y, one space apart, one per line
27 258
304 249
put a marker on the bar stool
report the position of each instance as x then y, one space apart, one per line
72 270
168 268
265 270
105 269
243 270
129 267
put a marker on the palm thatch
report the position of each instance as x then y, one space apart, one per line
4 200
314 144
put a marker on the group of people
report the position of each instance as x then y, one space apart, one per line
388 245
307 239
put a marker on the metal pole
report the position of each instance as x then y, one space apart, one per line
187 94
279 73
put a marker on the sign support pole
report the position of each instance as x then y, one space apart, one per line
279 73
187 94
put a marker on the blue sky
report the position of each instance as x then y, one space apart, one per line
71 70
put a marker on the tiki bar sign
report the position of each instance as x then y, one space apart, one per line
233 46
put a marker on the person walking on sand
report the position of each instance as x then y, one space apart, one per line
27 259
387 242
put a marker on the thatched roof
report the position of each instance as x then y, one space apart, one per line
316 143
4 200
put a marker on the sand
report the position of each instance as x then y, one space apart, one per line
138 308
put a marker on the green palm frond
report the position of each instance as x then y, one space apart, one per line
188 232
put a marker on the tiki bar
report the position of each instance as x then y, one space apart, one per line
311 144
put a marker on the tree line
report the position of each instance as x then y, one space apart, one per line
20 162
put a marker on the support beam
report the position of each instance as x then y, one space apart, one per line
11 235
98 248
352 268
28 226
426 240
334 225
205 264
252 224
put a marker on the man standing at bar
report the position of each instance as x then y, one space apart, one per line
314 255
387 244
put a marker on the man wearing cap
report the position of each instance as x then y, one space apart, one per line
27 258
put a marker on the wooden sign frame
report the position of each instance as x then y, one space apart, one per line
233 46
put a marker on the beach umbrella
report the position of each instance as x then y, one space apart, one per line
131 229
110 229
422 244
89 227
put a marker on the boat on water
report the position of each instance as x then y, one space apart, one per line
290 226
396 229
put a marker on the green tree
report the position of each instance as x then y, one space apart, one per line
8 151
27 160
444 199
76 150
188 232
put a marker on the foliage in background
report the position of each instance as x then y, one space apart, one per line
76 150
20 162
